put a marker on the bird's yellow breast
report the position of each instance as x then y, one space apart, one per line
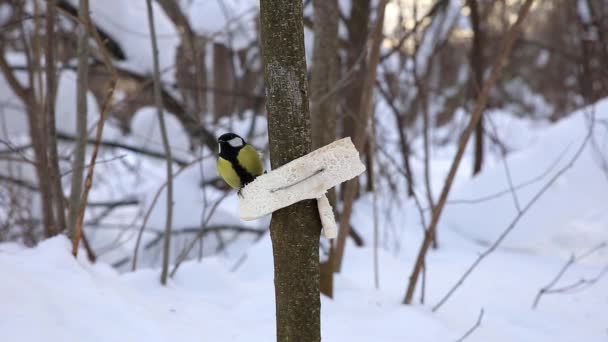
226 171
249 158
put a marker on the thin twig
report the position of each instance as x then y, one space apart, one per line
152 205
89 179
522 185
473 328
550 287
101 161
506 167
184 254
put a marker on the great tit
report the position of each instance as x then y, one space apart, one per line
238 163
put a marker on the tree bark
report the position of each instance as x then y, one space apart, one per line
323 99
81 118
294 230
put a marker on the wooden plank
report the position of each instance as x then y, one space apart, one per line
308 177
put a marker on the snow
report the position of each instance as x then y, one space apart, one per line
583 11
578 222
229 297
5 14
127 23
147 133
66 107
231 22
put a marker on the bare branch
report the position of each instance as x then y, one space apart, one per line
19 182
550 287
115 144
515 187
89 179
506 167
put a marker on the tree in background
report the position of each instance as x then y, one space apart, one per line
477 68
294 230
323 99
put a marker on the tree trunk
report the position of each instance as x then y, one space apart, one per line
166 146
323 98
359 137
81 118
358 31
294 230
478 68
190 71
223 81
51 94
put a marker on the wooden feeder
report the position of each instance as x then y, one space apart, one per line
308 177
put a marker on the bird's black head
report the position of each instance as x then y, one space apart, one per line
230 144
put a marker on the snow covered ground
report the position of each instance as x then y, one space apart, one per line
47 295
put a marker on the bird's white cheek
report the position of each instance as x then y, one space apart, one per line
236 142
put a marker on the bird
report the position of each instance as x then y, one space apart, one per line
238 162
